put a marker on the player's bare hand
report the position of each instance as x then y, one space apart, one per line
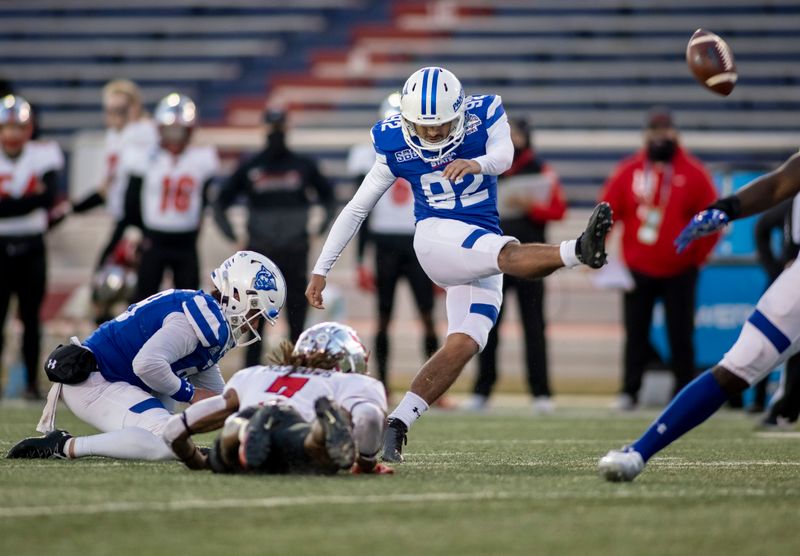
314 291
202 394
457 169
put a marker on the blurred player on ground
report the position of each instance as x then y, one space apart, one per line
769 337
126 376
451 148
293 416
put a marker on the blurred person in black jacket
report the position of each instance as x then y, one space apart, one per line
276 183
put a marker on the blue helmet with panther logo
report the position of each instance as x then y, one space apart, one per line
251 287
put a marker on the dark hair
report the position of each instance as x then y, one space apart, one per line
524 127
283 355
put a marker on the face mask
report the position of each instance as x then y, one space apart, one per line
661 151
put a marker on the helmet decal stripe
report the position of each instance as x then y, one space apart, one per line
434 82
425 91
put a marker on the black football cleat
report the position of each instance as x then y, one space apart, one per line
591 246
393 440
338 433
50 446
255 446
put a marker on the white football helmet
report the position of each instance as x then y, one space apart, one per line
338 341
432 96
390 105
175 109
251 287
175 116
15 110
113 283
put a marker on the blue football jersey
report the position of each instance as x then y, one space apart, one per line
118 341
472 200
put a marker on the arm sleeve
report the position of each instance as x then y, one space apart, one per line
174 340
236 184
499 149
88 203
24 205
375 184
210 379
363 232
133 202
368 422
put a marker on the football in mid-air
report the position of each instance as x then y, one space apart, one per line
711 61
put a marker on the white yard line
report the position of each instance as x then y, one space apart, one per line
785 435
431 497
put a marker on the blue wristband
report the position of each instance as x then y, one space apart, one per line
185 393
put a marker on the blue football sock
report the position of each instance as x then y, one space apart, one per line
698 401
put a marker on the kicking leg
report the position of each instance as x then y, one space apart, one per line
537 260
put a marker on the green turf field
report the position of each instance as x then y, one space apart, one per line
472 484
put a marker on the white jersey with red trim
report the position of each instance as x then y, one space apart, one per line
136 136
20 177
301 387
172 186
394 211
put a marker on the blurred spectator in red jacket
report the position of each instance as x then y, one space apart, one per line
529 196
654 194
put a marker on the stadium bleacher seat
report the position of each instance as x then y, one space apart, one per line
581 71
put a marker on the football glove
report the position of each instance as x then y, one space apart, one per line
702 224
